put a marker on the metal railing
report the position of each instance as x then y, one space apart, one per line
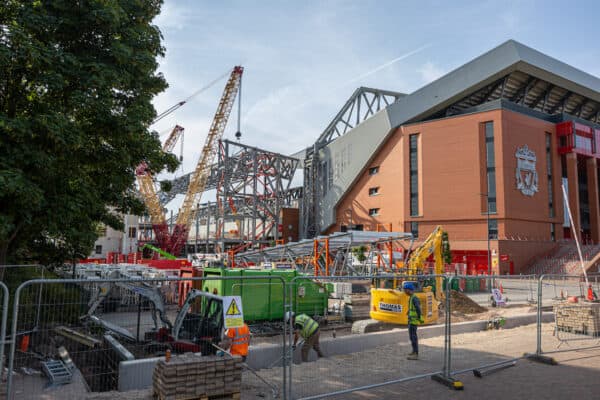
478 331
104 344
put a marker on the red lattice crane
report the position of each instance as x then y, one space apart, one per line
175 241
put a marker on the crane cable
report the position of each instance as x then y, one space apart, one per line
181 103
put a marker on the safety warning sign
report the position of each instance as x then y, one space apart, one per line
233 316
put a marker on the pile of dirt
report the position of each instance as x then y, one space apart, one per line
461 303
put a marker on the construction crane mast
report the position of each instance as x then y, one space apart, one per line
148 192
201 174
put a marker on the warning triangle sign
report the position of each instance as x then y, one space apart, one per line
233 308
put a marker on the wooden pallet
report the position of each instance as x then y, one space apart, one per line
228 396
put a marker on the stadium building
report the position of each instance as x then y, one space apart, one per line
483 151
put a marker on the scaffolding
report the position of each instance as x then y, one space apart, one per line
331 255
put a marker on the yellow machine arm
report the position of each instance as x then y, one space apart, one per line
391 305
146 181
201 174
431 245
172 139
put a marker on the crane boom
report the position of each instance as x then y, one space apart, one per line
172 139
148 191
200 175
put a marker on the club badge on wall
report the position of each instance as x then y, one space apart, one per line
527 177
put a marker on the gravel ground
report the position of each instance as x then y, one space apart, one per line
575 377
577 374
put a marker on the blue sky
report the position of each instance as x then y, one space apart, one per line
303 59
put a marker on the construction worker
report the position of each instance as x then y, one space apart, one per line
308 328
415 319
237 341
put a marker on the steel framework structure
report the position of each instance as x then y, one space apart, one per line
363 104
252 186
331 255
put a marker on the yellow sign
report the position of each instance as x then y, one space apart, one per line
234 315
233 309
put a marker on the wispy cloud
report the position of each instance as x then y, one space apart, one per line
386 64
430 72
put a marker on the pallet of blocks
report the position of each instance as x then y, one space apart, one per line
194 377
580 318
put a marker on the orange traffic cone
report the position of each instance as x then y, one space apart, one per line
501 288
590 293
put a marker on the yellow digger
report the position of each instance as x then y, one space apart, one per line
390 305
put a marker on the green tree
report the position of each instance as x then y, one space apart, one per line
76 87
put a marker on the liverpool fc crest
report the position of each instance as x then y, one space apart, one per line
527 177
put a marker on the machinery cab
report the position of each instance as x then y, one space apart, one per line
390 304
204 327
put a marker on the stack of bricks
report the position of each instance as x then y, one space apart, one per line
191 376
582 318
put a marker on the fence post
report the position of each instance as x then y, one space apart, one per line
537 356
3 327
538 350
445 378
13 342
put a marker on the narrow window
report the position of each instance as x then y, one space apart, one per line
414 229
549 173
490 166
132 232
373 212
374 170
98 249
552 234
493 229
414 174
373 191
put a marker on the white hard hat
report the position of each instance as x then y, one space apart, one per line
289 315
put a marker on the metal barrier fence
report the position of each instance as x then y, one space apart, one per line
478 338
575 325
4 318
109 329
354 361
112 339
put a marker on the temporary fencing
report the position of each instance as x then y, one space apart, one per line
110 333
508 323
355 361
575 324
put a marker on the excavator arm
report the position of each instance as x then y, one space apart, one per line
431 245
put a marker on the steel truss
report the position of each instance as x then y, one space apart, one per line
252 186
363 104
331 255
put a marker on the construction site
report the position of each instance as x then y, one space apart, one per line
477 194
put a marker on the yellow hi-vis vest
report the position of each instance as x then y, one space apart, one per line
413 317
308 325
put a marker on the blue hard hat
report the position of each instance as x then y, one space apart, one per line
409 286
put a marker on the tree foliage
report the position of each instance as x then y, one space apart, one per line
76 87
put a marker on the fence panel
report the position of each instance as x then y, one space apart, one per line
575 321
110 333
4 318
492 326
359 353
